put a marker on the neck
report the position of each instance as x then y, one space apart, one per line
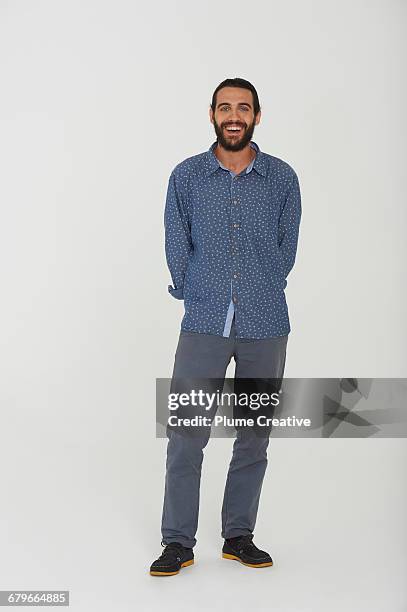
235 160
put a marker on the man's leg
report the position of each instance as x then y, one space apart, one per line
254 359
200 357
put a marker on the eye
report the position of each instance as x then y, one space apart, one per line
227 108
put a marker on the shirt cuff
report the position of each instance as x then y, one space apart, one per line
176 293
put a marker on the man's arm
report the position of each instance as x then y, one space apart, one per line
289 224
178 242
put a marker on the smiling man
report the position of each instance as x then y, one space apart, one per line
232 219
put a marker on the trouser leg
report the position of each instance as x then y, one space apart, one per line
205 358
262 359
182 484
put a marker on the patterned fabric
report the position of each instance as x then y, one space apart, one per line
232 236
231 310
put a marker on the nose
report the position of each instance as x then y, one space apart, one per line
234 115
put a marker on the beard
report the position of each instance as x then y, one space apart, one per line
230 143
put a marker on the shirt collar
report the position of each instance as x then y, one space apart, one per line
212 162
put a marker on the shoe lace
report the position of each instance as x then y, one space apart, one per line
171 552
245 544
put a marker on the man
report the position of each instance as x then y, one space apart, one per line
232 219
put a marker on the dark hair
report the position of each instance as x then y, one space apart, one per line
237 83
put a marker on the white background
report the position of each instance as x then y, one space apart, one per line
99 101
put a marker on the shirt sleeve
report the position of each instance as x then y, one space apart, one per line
289 224
178 242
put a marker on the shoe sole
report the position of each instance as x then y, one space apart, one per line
186 564
234 558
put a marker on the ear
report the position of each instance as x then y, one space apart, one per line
210 114
258 116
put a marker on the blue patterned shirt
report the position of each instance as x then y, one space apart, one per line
230 242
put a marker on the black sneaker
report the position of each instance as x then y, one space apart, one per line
173 558
243 549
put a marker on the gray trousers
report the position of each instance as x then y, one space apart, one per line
208 355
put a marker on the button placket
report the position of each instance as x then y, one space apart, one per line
235 226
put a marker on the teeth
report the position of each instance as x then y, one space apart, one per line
233 129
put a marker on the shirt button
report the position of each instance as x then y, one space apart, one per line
234 201
235 225
235 299
235 276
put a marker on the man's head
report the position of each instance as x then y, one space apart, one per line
234 112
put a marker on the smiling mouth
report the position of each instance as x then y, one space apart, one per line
233 130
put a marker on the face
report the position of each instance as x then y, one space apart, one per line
234 119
